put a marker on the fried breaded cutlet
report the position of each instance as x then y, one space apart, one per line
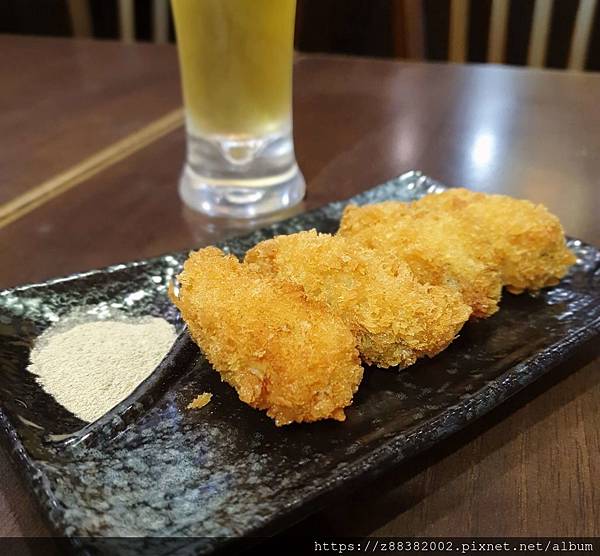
282 352
434 245
394 318
529 242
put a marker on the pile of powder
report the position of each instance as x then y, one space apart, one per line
92 366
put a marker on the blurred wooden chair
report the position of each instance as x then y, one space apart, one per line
409 31
81 20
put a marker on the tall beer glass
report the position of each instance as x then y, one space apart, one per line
236 59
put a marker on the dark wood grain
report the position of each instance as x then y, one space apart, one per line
358 122
63 100
526 469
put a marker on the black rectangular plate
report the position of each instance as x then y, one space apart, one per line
152 468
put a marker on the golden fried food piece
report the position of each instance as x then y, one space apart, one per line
280 351
434 245
200 401
529 242
395 318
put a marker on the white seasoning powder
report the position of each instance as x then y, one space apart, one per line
93 366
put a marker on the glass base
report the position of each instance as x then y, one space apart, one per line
241 178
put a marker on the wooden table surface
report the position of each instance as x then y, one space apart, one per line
526 469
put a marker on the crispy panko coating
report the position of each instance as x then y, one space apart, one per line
395 318
200 401
434 245
529 242
280 351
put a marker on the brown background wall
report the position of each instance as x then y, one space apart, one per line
363 27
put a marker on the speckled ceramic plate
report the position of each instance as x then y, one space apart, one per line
152 468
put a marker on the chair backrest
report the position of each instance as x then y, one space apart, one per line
81 21
410 27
